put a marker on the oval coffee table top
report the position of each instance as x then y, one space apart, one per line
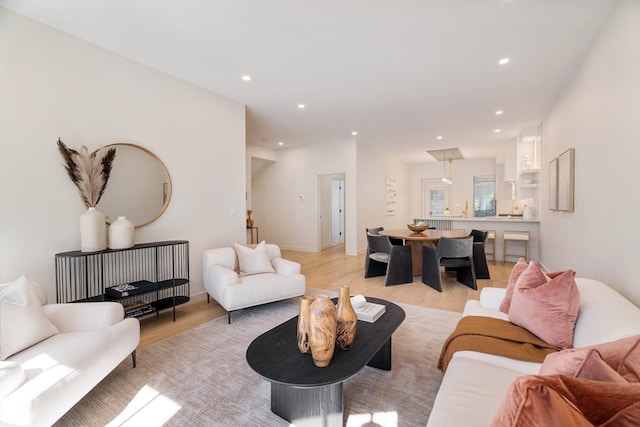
274 355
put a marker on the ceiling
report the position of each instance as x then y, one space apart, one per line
400 73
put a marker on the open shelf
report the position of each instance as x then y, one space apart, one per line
161 269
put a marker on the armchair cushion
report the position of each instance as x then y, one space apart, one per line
253 261
21 306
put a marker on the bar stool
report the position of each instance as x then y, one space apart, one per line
491 236
522 236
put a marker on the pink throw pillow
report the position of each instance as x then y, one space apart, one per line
623 356
516 271
584 363
557 400
548 308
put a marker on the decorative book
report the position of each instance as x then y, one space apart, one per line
138 308
129 289
369 311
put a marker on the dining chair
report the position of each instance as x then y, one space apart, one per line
377 230
455 254
385 259
479 256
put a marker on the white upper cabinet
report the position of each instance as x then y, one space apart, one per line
528 165
510 160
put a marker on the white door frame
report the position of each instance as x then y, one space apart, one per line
340 174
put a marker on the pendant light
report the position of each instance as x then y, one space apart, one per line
446 179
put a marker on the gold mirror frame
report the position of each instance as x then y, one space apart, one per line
144 178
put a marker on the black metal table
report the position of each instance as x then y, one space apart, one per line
306 395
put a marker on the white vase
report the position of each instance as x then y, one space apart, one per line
93 231
121 233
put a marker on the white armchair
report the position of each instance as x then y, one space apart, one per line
233 290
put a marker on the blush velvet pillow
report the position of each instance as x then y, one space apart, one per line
516 271
547 307
254 261
557 400
597 362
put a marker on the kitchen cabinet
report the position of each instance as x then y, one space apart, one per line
528 167
510 156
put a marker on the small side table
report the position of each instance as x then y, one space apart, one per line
251 232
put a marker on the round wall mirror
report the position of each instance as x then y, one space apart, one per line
139 186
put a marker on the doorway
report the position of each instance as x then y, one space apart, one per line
331 226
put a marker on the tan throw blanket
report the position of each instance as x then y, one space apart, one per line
493 336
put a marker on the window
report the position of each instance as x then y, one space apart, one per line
484 196
435 197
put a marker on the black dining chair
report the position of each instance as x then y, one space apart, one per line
377 230
385 259
479 256
453 254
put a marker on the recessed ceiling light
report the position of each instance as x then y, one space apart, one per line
499 112
246 78
503 61
354 133
301 106
439 137
281 143
497 131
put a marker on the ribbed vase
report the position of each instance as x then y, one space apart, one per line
303 324
347 320
121 233
93 231
322 330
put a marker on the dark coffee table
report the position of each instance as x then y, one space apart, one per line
306 395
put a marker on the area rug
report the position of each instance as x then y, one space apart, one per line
201 377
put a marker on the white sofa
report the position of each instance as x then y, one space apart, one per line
233 290
42 382
475 383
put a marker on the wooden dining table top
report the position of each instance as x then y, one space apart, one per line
428 235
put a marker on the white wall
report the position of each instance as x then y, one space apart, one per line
463 172
374 163
54 85
598 115
286 198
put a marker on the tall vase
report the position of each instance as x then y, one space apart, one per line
249 220
303 324
121 233
322 330
347 320
93 231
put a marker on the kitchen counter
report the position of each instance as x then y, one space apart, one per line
499 224
489 218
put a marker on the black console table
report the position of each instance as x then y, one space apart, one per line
146 278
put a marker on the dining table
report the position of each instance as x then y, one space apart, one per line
417 240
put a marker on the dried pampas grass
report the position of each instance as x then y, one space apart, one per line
89 172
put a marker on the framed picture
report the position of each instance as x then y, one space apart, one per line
553 184
566 180
390 195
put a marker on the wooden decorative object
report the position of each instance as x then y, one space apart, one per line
303 324
249 220
322 330
347 320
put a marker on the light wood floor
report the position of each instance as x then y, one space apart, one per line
329 270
